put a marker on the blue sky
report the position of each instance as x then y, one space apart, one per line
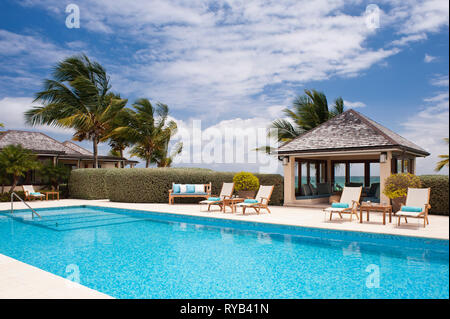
239 63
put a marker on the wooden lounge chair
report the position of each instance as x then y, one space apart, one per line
203 192
262 199
226 192
416 199
350 198
31 194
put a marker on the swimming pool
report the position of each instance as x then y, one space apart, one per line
136 254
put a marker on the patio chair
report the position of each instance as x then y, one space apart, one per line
30 193
261 200
348 203
226 192
416 206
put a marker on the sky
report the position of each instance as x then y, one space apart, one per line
235 65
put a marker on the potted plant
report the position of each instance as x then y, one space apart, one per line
246 184
396 188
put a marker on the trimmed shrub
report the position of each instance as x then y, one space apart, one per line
439 193
151 185
245 181
88 183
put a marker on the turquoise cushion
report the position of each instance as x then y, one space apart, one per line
339 205
412 209
214 199
176 188
190 188
250 201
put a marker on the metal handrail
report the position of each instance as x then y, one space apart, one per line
12 206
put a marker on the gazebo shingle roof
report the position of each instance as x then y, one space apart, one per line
349 130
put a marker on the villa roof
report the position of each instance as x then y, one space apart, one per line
349 131
77 148
42 144
34 141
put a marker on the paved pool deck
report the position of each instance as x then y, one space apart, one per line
19 280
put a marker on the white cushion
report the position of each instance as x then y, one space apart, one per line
332 209
199 188
182 188
408 214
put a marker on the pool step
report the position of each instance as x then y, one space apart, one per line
78 221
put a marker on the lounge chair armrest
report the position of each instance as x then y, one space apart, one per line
355 202
170 191
264 198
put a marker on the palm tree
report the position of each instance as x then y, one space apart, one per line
78 96
16 161
162 158
308 111
55 174
118 142
149 130
444 161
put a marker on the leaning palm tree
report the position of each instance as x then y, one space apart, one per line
444 162
162 156
307 112
117 142
149 129
78 96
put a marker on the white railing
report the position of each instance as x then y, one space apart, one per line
33 212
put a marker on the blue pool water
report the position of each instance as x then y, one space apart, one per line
133 254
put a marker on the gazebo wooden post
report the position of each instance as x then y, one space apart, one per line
347 172
366 173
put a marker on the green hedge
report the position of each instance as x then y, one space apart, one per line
151 185
88 183
439 192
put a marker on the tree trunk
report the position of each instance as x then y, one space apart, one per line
95 142
147 162
14 183
122 165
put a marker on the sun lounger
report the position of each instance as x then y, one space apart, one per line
261 200
348 203
416 206
30 193
226 192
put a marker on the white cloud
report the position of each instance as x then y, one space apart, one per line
13 109
428 127
408 39
218 58
29 49
227 145
354 104
440 80
425 16
429 58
